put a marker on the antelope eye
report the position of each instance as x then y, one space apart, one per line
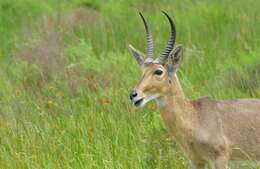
158 72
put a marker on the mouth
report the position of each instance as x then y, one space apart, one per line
138 102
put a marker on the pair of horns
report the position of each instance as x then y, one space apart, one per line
150 44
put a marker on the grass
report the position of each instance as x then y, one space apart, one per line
66 74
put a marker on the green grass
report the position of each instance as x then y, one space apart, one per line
66 74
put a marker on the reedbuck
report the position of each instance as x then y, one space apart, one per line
209 131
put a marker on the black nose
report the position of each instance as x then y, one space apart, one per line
133 94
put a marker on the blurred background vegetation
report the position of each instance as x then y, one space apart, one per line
66 73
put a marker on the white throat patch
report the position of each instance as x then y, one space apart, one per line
161 102
147 99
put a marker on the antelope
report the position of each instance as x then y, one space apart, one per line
209 131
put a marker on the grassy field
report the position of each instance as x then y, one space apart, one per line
66 74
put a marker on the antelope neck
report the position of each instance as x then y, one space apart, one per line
176 110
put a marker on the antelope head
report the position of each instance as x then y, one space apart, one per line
157 73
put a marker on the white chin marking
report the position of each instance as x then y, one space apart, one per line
147 99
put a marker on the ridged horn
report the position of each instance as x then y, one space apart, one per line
149 37
165 54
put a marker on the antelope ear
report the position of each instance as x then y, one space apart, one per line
139 56
175 60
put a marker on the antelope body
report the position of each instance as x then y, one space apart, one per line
208 130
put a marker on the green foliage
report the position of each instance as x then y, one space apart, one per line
81 117
78 52
25 73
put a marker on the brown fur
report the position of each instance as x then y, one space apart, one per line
207 130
